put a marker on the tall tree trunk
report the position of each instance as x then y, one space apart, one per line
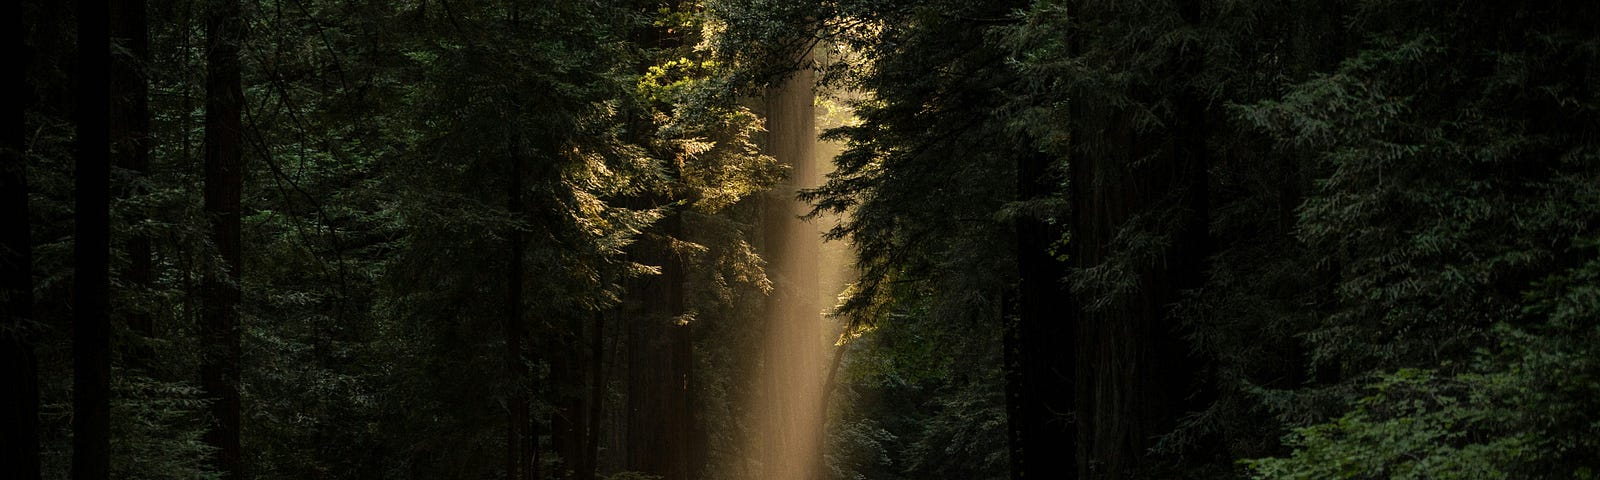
660 424
697 448
567 432
791 431
1131 367
130 135
575 424
532 450
1017 395
19 368
597 403
224 172
517 418
1039 355
91 329
1135 377
638 385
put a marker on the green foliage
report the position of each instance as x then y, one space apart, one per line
1525 409
857 449
157 429
925 398
707 139
919 189
1399 273
1387 182
1454 163
1433 184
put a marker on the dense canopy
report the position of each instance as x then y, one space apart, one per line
800 239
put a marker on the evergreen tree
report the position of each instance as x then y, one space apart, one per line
224 174
1140 239
91 322
20 404
1433 184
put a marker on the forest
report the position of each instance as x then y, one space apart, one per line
800 239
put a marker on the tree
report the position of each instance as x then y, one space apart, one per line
1137 168
20 404
793 392
130 133
928 184
224 173
91 345
936 173
1430 182
521 444
707 168
1137 239
481 102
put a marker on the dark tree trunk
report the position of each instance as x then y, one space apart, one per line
1132 367
518 420
224 175
575 426
91 328
597 403
531 449
567 432
695 451
1016 392
1039 353
1135 377
130 135
19 368
660 425
564 437
638 377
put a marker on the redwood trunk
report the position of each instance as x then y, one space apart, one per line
130 136
790 431
91 328
1134 374
597 403
19 368
1135 377
567 432
518 420
224 175
660 423
1039 356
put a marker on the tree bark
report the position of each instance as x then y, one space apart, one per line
19 368
662 428
130 137
1135 377
224 175
597 403
1015 390
567 432
1039 356
790 431
575 427
517 415
1132 377
91 329
660 425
